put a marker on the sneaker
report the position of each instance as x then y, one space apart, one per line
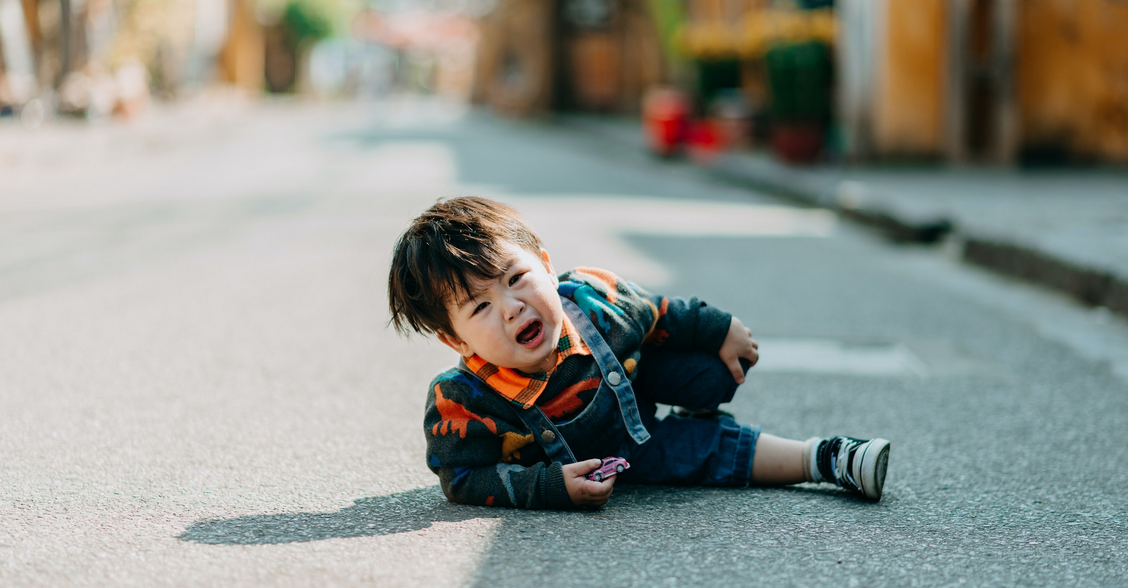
854 464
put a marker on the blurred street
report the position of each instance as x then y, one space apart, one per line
199 389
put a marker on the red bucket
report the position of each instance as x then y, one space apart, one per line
665 116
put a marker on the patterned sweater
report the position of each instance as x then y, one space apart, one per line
477 444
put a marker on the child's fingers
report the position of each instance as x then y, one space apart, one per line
585 492
753 356
601 488
600 492
588 466
750 352
594 493
582 468
736 369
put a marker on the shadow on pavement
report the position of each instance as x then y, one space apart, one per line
418 509
381 515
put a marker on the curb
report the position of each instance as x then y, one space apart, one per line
1090 286
850 199
854 201
857 202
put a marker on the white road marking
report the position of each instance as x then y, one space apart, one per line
827 356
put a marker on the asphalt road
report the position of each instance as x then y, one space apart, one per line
198 387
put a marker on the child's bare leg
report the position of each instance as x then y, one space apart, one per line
778 461
857 465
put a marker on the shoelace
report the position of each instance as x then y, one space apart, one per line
842 469
835 456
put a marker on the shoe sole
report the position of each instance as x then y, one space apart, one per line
869 471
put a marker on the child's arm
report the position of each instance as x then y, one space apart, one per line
686 324
693 324
673 323
678 323
540 486
531 486
470 451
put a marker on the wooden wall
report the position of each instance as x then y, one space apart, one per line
241 60
911 63
1072 81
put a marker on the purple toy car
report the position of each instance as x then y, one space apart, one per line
610 467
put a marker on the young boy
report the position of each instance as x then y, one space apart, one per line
558 372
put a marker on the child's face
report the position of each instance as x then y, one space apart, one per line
513 321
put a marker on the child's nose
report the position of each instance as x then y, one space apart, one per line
513 308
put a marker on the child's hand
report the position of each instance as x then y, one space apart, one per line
585 492
739 344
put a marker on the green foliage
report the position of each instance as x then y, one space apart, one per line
799 75
308 20
716 75
668 16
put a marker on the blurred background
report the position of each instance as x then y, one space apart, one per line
199 200
999 82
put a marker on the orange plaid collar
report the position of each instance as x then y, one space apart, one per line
520 389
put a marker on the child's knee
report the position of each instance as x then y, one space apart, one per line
690 379
714 384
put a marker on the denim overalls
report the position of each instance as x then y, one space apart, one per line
674 450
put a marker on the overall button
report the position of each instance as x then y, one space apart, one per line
548 436
614 378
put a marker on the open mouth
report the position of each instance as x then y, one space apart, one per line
529 333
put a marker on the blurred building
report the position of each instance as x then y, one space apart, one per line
989 81
980 81
417 50
985 80
591 55
241 58
101 57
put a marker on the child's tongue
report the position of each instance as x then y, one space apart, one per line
529 333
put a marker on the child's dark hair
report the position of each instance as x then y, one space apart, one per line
443 248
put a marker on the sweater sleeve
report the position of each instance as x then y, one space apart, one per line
465 450
674 323
687 324
538 486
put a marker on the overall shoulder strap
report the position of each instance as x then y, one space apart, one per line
609 367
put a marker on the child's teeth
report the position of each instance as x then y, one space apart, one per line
527 335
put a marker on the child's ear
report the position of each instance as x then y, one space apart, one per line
548 266
455 343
